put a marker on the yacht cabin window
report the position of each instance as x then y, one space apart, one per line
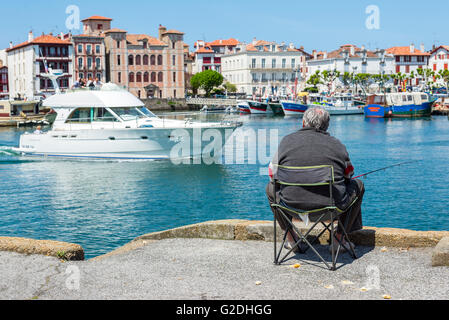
88 115
127 114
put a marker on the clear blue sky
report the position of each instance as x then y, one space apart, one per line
319 24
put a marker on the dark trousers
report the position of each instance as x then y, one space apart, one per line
351 218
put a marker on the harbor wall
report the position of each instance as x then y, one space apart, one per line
169 105
240 230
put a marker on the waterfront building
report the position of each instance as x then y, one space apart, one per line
351 59
264 68
208 54
89 49
189 59
408 60
439 60
4 87
27 61
147 66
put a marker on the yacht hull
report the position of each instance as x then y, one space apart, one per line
139 144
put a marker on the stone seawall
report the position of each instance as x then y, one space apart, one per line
169 105
242 230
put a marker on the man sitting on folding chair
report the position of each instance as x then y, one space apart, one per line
313 147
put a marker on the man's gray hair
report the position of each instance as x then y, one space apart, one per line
316 117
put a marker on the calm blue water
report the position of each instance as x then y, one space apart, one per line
103 205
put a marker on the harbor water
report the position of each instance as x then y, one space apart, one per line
102 205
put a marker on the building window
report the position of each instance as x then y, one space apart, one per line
160 77
174 93
80 48
153 77
99 76
89 76
146 77
130 60
80 63
174 60
89 63
145 60
131 77
98 63
293 63
263 63
97 49
118 60
273 63
284 61
253 63
100 27
159 60
153 60
119 76
89 49
139 77
118 43
174 76
138 60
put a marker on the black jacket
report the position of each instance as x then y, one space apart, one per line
310 147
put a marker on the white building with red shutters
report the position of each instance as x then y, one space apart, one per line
439 59
27 61
4 86
409 59
208 54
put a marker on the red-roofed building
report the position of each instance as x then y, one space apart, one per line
147 66
208 54
89 49
409 59
439 59
26 65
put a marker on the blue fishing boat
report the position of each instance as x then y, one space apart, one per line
293 107
402 104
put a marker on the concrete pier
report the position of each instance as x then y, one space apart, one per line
229 259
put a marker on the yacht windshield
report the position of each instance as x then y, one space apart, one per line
127 114
146 112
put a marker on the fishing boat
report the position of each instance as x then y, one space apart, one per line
401 104
276 108
258 107
293 108
111 123
243 107
339 104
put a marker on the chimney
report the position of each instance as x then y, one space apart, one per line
412 48
325 55
30 36
291 45
315 56
62 35
10 45
162 30
254 41
423 49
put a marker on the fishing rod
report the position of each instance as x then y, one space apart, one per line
381 169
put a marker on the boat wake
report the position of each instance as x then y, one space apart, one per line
8 151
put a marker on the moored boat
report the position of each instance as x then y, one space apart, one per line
243 107
293 107
401 104
257 107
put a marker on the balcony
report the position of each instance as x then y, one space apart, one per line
289 67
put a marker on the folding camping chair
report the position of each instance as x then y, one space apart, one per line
308 177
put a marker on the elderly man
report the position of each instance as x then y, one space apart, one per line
312 146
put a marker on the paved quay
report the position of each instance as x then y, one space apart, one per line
222 269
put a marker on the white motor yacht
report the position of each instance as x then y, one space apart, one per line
111 123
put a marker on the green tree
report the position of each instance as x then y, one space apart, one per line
444 75
363 80
195 83
230 87
380 79
426 74
329 77
315 80
347 79
206 80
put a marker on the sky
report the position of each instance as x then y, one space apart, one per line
320 25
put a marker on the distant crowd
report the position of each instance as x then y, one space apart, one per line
87 83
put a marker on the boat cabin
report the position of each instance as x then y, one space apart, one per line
399 99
